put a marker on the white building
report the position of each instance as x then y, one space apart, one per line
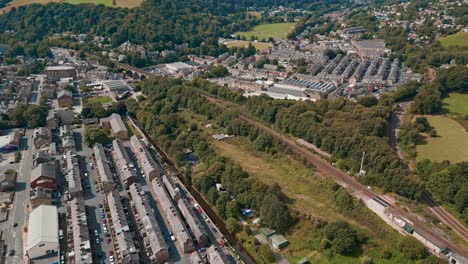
42 232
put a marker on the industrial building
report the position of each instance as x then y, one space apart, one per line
42 232
55 73
303 88
116 86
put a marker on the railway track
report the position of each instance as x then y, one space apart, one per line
349 182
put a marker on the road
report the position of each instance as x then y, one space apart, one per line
212 230
14 236
349 182
92 198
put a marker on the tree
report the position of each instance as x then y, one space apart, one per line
216 72
96 135
232 209
265 251
274 214
342 237
17 117
367 101
411 248
232 225
35 116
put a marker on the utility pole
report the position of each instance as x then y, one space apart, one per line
361 171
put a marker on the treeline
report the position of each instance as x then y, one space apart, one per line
429 97
96 109
410 136
447 182
30 116
160 24
159 116
346 130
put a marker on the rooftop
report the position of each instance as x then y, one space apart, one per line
42 226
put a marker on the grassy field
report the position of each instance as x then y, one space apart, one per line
255 14
100 100
459 39
311 196
118 3
242 43
456 103
450 144
277 30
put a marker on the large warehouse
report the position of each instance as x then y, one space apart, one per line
42 232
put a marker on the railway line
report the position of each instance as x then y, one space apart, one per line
350 183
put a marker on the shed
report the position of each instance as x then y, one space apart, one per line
267 232
303 261
279 241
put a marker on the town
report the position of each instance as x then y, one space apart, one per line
86 178
113 203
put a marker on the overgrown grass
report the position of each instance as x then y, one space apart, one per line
265 31
312 198
450 144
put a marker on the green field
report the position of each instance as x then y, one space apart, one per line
243 43
277 30
450 144
99 100
456 103
459 39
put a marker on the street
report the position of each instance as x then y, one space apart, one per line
13 236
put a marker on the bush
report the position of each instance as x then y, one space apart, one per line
343 238
17 156
266 252
412 248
